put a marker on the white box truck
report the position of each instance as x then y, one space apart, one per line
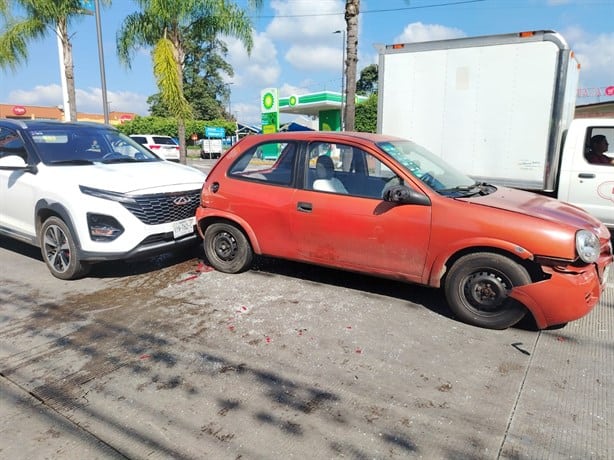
501 109
211 148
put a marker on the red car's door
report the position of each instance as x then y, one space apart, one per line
359 230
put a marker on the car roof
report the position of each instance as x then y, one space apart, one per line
326 136
38 123
151 135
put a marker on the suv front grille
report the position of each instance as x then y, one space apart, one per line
163 208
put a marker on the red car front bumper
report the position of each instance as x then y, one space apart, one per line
569 294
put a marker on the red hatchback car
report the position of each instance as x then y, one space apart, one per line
387 207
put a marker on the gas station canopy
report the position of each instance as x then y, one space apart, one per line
313 103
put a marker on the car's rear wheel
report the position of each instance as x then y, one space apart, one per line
60 251
227 248
477 289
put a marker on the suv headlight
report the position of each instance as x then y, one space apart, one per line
107 195
587 245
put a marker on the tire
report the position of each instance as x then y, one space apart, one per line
227 248
477 289
59 250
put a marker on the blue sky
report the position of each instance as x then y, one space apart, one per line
296 50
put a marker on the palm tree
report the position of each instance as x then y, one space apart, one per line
41 18
352 9
163 25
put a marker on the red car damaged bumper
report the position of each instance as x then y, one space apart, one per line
570 293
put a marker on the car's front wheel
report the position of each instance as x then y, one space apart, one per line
477 288
59 250
227 249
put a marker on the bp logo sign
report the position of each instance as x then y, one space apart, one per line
268 101
292 101
269 110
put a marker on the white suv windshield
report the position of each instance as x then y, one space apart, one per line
87 145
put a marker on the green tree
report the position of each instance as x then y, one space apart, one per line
205 65
168 126
163 26
366 115
40 18
367 83
203 85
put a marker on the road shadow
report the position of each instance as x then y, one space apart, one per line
19 247
116 268
147 361
430 298
141 266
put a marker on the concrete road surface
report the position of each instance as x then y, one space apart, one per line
169 359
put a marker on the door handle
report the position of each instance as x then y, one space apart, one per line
303 206
586 176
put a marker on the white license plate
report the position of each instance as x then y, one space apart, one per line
183 227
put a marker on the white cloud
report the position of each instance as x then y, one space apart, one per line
305 27
88 101
305 57
288 89
312 42
43 95
261 68
596 56
119 101
418 32
247 113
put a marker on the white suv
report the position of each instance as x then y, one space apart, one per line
164 146
84 192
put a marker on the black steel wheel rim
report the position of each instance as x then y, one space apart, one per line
486 291
225 246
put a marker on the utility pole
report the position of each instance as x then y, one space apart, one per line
352 10
343 95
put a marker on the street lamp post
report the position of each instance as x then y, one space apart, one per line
103 80
227 85
342 32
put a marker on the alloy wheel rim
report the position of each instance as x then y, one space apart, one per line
57 249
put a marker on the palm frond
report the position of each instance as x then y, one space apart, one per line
167 72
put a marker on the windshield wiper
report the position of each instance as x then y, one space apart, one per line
478 188
75 161
120 160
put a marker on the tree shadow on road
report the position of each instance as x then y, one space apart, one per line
430 298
